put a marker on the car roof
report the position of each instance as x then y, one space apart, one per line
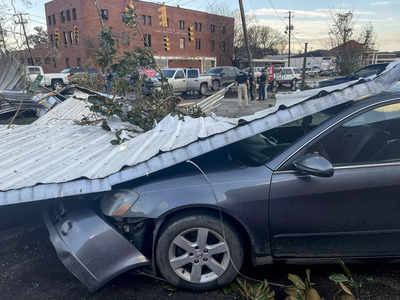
353 106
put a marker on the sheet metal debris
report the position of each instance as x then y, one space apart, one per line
40 162
12 75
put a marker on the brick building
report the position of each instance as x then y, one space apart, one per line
213 43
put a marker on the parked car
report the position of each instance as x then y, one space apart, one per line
182 81
319 188
313 71
365 72
223 76
53 80
287 76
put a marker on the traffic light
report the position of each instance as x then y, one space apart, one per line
57 37
76 34
191 33
166 44
129 15
163 16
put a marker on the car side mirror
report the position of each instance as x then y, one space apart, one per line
314 164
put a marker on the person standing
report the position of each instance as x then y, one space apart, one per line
109 78
263 82
242 83
251 85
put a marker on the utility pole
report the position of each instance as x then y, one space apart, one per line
303 77
246 40
2 38
22 22
289 31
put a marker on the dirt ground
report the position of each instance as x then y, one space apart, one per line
30 269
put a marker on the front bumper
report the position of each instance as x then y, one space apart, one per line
90 248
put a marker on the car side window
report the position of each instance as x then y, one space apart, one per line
370 138
179 75
369 71
192 74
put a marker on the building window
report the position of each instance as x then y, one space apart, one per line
104 14
167 22
181 24
30 61
223 29
68 15
144 20
147 40
223 46
67 62
212 28
198 27
65 38
198 44
47 60
54 19
38 61
71 37
51 39
149 20
182 43
78 62
212 44
74 14
54 62
49 20
62 17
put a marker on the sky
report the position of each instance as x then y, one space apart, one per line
311 21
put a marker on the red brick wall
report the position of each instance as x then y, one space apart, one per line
89 26
174 63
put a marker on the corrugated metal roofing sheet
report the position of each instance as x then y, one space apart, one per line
43 162
11 76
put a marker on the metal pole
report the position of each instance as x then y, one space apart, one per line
2 38
23 22
246 40
290 35
303 77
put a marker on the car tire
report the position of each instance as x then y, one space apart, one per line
203 89
216 85
198 264
56 84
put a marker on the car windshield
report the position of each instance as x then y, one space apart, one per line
263 148
168 73
214 71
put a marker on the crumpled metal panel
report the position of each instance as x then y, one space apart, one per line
11 73
43 162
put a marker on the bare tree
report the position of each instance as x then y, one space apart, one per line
368 40
39 38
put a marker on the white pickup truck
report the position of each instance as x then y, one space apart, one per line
183 81
53 80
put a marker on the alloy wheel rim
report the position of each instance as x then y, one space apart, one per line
199 255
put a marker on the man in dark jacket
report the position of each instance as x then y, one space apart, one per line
251 85
242 83
263 82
